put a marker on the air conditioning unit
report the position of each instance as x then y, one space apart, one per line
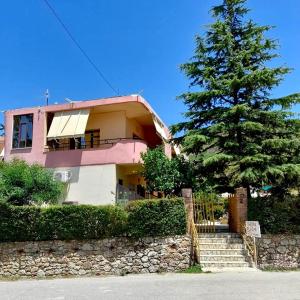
62 176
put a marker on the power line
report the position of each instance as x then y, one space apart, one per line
79 47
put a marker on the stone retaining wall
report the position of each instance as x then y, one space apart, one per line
115 256
279 251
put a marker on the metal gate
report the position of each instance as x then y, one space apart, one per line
204 214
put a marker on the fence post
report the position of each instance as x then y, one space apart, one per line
187 195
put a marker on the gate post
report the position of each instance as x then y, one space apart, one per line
242 207
187 195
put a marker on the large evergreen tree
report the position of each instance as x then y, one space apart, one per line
236 133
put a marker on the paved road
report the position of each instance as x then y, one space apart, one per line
231 286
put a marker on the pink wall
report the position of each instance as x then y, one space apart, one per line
122 152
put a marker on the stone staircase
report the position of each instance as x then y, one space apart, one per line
223 251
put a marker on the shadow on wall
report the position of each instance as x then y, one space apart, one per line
73 179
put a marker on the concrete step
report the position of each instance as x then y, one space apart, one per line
222 258
229 269
219 235
223 250
224 264
217 251
205 246
228 240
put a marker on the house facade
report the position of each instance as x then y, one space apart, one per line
93 146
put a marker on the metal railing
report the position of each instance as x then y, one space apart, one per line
195 241
150 196
124 195
77 144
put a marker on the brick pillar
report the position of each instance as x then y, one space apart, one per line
187 195
238 206
241 195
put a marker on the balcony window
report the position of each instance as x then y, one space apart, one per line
22 131
92 138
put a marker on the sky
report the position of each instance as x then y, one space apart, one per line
138 46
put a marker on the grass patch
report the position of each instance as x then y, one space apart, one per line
193 269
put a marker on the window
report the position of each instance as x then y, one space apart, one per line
92 138
22 135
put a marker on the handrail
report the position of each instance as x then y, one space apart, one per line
97 143
250 245
195 240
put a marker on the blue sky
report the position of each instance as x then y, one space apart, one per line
138 45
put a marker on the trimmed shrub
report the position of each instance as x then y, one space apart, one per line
142 218
276 215
19 223
82 222
30 223
156 217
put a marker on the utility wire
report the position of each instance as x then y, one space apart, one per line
79 47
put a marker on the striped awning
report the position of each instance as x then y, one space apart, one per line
68 124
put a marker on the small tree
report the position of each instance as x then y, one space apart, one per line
164 174
24 184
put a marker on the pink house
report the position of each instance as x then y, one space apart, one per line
93 146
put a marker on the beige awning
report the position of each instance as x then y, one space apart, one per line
160 129
68 124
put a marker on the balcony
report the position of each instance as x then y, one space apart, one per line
109 151
79 144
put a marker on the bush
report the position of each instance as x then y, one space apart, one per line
166 175
82 222
156 217
219 211
19 223
143 218
28 223
276 215
23 184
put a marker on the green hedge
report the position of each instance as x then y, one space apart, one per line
156 217
28 223
140 218
19 223
82 222
276 215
